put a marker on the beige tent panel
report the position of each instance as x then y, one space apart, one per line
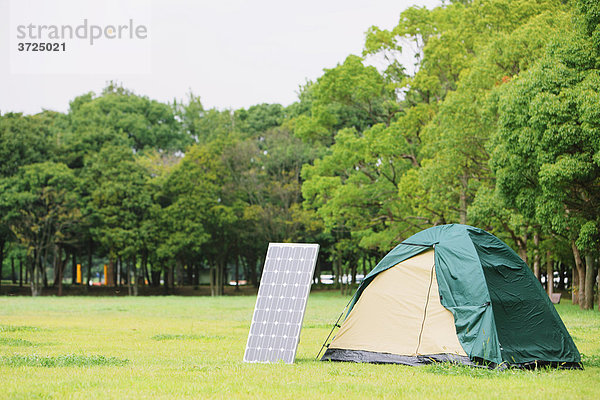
389 314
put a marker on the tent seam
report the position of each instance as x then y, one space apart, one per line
425 310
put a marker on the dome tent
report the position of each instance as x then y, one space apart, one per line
453 293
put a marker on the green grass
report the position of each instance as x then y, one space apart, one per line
9 328
67 360
192 347
7 341
166 336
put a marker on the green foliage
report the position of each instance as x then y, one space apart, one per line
25 140
425 165
120 199
118 116
497 126
349 95
40 204
259 118
547 140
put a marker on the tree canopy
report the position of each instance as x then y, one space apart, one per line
497 125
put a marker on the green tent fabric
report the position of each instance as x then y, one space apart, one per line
502 314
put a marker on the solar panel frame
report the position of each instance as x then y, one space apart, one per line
281 302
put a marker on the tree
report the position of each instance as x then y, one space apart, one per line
23 140
121 202
546 157
203 126
193 213
349 95
40 205
119 117
258 119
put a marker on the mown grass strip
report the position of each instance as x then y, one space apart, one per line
165 336
67 360
17 328
445 368
14 342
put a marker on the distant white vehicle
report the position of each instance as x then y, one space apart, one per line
328 279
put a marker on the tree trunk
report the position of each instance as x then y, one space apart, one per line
252 261
589 282
21 272
35 278
74 269
119 266
129 283
237 273
59 270
221 274
30 269
155 273
189 273
219 288
196 275
317 274
259 267
220 277
12 268
55 266
43 268
62 263
1 260
339 272
574 286
598 278
109 279
144 267
135 276
522 248
167 277
364 267
172 276
212 280
179 273
536 255
562 273
580 274
32 279
89 264
549 273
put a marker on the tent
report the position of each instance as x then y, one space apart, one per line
453 293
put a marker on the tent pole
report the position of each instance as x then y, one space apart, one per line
332 328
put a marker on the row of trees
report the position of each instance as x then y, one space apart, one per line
161 191
497 128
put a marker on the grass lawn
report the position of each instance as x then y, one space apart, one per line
192 347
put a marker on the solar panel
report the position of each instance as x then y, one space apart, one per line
281 302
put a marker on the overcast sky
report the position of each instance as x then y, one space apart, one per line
232 53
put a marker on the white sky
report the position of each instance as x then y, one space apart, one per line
232 53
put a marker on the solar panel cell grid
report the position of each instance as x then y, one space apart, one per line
281 302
